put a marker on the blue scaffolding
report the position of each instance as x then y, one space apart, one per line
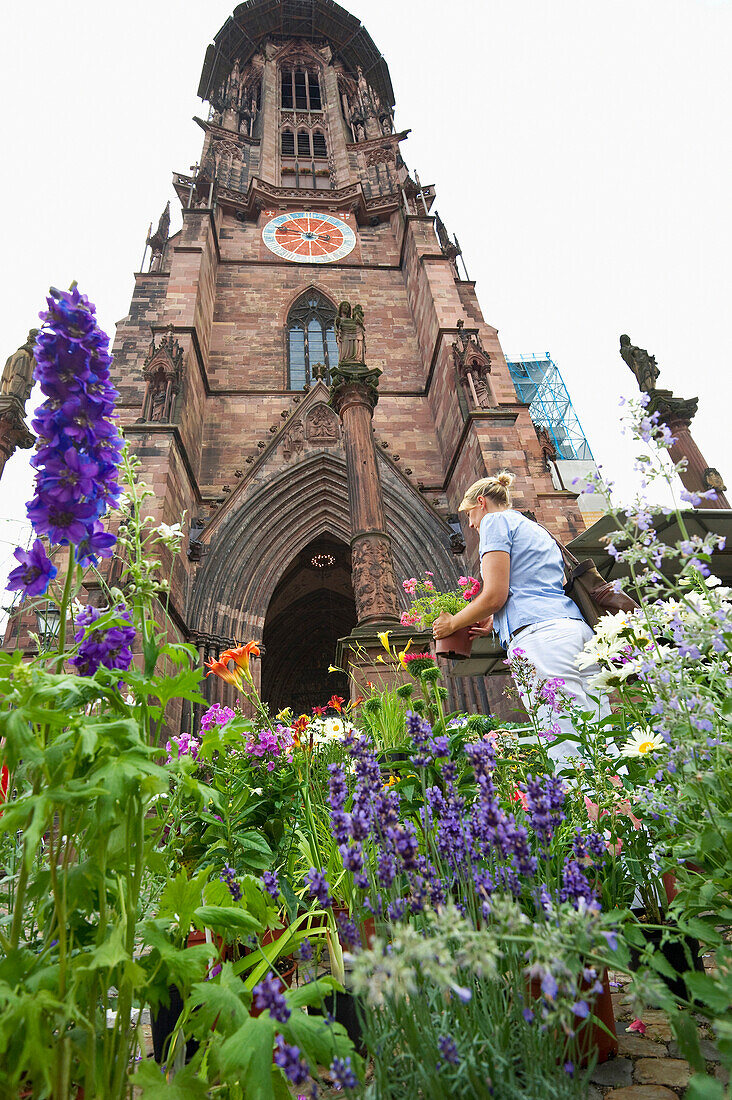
538 382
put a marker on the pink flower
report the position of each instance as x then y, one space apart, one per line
638 1026
519 796
428 574
410 586
463 580
593 810
616 848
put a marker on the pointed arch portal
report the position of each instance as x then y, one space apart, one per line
310 609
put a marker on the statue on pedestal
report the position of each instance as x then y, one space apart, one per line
350 334
17 376
641 363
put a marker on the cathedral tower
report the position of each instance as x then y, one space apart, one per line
302 200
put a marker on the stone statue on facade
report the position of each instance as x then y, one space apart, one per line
17 376
350 334
641 363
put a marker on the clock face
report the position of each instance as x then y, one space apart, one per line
309 238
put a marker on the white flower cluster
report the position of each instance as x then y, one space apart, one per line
326 730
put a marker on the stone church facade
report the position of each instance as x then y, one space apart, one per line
302 200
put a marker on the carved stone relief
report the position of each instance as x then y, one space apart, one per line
372 574
322 426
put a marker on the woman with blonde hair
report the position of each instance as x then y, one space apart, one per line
523 594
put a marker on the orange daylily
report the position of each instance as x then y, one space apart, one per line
240 656
301 724
336 702
221 669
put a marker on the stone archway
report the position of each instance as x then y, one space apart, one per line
311 607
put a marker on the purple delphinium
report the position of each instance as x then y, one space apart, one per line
288 1058
271 884
79 445
319 887
228 875
448 1049
109 646
35 572
341 1074
268 996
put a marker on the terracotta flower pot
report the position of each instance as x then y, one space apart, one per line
592 1039
455 646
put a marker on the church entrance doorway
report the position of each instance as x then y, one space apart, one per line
311 608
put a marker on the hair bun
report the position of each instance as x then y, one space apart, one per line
505 479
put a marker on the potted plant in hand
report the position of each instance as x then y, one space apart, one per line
428 604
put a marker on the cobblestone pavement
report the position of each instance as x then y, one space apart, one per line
648 1066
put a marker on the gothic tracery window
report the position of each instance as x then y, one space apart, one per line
300 90
310 338
303 140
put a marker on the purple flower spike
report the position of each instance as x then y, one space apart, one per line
79 445
35 572
319 887
268 996
109 647
271 884
341 1074
288 1058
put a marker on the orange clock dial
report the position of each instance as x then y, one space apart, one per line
307 237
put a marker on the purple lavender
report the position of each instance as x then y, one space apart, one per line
348 932
79 445
228 875
575 887
448 1049
319 887
35 572
268 996
341 1074
420 732
306 950
545 796
288 1058
271 884
109 647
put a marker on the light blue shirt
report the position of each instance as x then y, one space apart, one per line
536 581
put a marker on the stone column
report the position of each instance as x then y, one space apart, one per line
698 477
13 430
354 394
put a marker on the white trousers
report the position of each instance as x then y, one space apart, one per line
552 647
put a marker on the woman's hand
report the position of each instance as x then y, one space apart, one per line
483 629
442 626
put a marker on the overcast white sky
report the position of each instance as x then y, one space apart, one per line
581 151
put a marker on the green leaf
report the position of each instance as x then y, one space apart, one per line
110 954
182 686
687 1036
318 1041
727 706
181 897
219 1003
186 1085
701 929
709 991
247 1055
703 1087
225 917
